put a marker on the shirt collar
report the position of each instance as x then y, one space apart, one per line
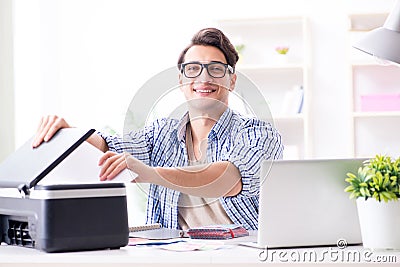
181 128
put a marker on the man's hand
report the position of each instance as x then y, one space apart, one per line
48 126
113 163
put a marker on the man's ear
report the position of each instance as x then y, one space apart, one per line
180 81
232 83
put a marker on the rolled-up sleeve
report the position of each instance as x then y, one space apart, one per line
254 142
139 143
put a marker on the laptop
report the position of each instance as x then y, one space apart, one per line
303 204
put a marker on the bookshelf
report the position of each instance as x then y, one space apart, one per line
375 93
281 79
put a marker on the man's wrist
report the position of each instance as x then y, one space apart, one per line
98 141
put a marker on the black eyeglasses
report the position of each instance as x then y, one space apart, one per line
215 69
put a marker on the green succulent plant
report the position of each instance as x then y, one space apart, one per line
377 178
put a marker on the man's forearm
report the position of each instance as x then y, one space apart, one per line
209 180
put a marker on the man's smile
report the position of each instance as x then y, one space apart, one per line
204 90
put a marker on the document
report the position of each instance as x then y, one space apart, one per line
81 166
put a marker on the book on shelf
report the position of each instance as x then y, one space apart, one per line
293 101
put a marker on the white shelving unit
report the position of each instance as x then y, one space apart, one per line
278 77
374 127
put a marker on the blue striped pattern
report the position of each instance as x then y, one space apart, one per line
243 141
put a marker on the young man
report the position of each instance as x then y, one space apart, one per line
202 169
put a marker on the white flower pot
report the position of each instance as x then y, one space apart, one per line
281 59
379 223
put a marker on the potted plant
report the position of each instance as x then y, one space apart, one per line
377 190
282 52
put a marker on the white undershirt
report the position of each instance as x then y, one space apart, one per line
196 211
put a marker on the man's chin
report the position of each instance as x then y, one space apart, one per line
207 105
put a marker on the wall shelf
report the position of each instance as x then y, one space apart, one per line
374 132
282 79
367 115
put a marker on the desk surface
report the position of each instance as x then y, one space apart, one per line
232 254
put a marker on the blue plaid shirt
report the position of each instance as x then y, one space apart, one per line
243 141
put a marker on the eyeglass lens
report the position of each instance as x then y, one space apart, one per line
193 70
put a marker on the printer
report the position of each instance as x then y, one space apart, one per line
58 217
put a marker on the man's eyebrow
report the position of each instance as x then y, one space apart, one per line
216 61
191 62
205 62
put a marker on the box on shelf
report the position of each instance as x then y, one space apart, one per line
380 102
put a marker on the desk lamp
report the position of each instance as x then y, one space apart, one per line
384 42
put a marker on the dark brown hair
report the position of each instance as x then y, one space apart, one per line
216 38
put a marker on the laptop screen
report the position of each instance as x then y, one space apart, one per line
303 203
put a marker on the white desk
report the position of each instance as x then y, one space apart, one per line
232 255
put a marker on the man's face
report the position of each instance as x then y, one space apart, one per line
205 91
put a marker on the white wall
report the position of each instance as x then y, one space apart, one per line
84 59
6 80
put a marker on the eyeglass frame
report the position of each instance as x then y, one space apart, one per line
205 65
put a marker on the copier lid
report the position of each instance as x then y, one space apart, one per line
27 165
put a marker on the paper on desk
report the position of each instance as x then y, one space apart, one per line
191 246
81 166
138 241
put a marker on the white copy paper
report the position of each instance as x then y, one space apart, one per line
81 166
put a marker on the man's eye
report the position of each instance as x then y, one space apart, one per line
216 68
192 67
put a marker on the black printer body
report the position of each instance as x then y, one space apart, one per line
62 217
66 218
